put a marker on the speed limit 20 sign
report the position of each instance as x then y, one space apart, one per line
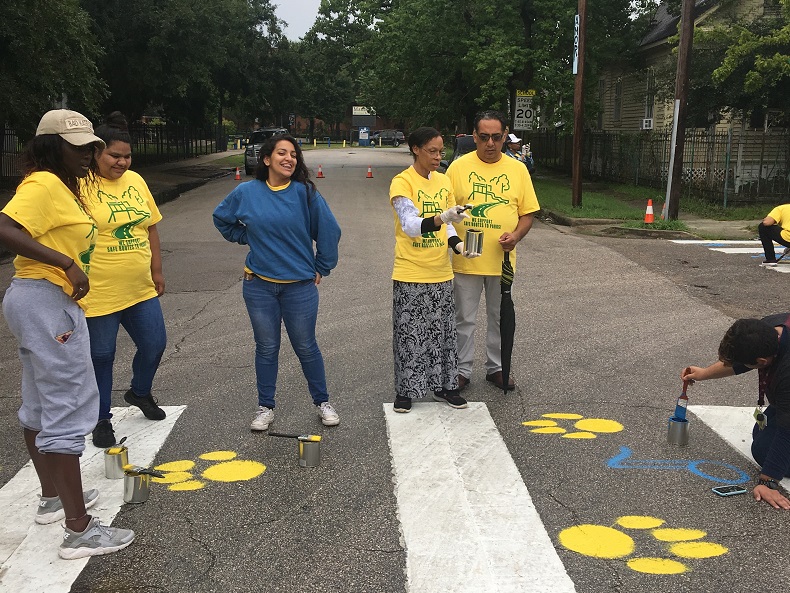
525 116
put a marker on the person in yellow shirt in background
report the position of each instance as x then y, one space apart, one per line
500 189
48 225
423 314
126 277
775 227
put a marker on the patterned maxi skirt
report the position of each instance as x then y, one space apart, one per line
424 338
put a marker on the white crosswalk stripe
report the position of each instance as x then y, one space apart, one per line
26 546
751 248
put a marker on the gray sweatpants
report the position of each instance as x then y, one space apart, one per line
60 398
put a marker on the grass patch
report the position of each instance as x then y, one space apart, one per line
556 196
628 202
234 160
658 225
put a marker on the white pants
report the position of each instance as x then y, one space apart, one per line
467 289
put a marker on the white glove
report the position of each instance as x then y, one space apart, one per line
459 250
454 214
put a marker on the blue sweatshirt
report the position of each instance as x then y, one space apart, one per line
280 228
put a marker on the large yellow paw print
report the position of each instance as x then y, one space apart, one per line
600 541
586 428
179 476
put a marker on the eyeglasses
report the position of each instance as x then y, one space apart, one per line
433 152
484 138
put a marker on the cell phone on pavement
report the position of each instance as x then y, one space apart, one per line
731 490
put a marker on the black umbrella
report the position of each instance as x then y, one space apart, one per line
507 320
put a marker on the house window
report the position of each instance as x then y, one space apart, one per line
601 100
618 100
650 93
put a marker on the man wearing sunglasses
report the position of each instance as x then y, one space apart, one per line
500 189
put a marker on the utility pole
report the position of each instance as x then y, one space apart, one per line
672 203
580 30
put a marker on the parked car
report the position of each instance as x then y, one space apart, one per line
254 143
462 144
393 137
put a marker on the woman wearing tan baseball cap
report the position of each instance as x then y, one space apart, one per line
48 226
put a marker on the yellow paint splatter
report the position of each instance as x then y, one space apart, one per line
561 416
656 566
549 430
539 423
173 478
190 485
599 425
218 455
234 471
176 466
678 535
698 550
639 522
597 541
579 435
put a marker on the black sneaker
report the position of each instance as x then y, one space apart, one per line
402 405
146 403
103 434
451 397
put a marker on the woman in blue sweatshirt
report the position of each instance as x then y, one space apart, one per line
293 239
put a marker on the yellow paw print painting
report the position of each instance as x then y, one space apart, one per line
180 475
601 541
581 427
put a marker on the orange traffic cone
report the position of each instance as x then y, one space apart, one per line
662 211
370 173
320 173
238 175
649 218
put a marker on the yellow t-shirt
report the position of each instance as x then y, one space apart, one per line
501 192
51 214
781 214
121 266
422 259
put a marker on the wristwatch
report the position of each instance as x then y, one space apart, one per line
770 483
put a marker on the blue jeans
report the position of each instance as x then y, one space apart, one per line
146 326
270 304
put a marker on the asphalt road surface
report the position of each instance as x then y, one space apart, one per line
588 496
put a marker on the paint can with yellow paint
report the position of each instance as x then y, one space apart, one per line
309 447
114 459
137 483
678 431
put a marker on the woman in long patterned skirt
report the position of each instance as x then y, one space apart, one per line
423 311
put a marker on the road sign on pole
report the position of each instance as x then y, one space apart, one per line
525 115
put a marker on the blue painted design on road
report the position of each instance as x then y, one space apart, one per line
619 462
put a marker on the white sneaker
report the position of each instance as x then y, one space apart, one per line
328 415
263 418
51 510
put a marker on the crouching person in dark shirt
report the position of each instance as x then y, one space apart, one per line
761 344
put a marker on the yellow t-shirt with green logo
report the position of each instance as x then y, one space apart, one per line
53 216
422 259
781 214
121 275
500 192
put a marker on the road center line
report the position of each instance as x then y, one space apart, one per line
468 521
28 551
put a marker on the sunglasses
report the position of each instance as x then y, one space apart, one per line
484 138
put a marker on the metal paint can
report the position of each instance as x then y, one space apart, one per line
114 460
309 450
473 243
136 487
678 432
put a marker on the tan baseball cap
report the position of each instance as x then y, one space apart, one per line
73 127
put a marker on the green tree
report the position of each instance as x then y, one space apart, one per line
49 52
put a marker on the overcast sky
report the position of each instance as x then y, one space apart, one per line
299 14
